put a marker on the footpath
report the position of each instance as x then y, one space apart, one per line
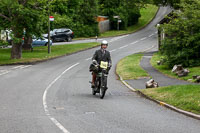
161 79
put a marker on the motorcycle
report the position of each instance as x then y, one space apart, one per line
100 84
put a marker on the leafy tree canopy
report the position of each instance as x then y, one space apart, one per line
182 44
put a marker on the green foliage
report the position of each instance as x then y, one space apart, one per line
164 68
76 15
129 11
3 43
40 53
129 67
182 44
185 97
172 3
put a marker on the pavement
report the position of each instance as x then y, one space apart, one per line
161 79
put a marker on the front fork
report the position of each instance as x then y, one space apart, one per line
104 80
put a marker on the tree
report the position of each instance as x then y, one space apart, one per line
76 15
128 10
172 3
21 16
182 44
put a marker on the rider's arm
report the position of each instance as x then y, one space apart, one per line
94 58
109 59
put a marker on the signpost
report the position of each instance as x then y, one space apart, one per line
118 21
51 18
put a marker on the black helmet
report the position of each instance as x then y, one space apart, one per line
104 42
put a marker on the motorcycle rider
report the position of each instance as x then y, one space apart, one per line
101 55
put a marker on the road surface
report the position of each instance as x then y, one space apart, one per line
55 96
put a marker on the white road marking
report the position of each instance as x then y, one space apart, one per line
88 58
117 38
61 127
143 38
17 67
4 72
151 35
113 50
135 42
126 84
149 48
22 67
123 47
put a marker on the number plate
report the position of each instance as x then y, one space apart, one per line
104 65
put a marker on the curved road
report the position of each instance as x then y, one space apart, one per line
55 96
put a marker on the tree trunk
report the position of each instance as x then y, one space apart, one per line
27 43
16 51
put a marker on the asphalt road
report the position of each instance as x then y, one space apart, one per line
55 96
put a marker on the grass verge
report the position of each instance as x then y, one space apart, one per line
129 67
40 53
147 14
186 97
167 71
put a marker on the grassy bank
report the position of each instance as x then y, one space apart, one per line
129 67
186 97
147 14
167 71
40 53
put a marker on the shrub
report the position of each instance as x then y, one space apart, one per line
182 44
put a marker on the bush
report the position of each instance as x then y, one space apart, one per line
3 43
182 44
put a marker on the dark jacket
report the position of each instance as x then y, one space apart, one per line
99 56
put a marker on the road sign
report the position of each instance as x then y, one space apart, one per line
115 16
119 21
51 18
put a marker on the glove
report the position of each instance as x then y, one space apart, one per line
109 65
94 62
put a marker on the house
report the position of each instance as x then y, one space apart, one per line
103 23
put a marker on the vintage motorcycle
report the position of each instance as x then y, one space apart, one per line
101 78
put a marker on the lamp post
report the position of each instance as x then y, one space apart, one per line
49 48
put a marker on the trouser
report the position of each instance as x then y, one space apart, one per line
93 77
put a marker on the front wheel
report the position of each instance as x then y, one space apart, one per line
102 93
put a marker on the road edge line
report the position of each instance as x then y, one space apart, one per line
190 114
59 125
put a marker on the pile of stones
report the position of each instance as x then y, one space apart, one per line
196 78
151 84
180 71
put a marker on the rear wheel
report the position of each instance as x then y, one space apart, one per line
69 38
93 91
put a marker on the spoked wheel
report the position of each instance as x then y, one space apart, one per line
93 91
102 93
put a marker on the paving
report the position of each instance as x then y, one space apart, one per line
158 77
161 79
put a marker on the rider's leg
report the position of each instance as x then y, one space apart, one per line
93 78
